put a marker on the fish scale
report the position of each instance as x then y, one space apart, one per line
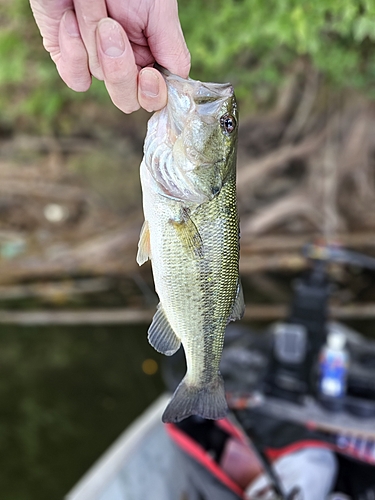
191 235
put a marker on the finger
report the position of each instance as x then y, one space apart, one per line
48 17
72 62
88 15
118 64
152 90
165 38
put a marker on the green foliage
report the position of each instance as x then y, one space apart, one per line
253 42
32 94
249 42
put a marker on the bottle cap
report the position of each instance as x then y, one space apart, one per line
336 340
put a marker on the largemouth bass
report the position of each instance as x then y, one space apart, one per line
191 236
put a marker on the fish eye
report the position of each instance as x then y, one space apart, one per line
228 123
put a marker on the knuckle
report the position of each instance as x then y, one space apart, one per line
121 86
127 107
77 81
151 105
185 63
115 72
80 85
123 98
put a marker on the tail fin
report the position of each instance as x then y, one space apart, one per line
207 401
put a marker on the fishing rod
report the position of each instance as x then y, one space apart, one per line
256 442
336 253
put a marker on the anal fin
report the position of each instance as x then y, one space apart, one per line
161 335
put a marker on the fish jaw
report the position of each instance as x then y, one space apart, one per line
184 97
186 147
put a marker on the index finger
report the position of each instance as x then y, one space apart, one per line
118 65
88 15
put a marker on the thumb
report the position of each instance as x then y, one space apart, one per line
166 39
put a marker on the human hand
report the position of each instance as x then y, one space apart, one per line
120 49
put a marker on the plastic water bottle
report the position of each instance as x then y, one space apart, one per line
333 364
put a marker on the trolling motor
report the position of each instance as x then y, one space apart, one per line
298 340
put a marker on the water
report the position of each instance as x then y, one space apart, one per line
66 393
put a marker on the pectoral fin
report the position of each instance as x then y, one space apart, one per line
188 233
144 251
238 306
161 335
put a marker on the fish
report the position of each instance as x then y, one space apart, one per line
191 236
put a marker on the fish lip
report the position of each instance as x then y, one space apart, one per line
161 69
223 90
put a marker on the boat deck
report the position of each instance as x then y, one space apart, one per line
141 465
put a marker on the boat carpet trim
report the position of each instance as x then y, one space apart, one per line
275 453
198 453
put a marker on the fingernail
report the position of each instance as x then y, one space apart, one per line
111 38
149 83
70 23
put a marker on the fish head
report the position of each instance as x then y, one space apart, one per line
194 139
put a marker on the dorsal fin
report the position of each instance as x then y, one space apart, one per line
238 306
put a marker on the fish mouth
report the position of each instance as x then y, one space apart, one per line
186 96
202 93
183 143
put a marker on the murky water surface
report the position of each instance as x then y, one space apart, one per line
66 393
